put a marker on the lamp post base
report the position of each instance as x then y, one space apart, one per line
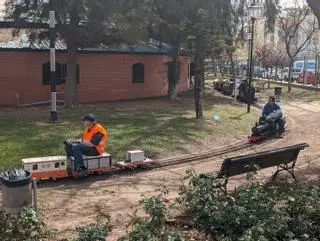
53 116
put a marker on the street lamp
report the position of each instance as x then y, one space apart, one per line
53 113
253 11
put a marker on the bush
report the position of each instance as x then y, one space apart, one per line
26 226
153 228
253 213
97 231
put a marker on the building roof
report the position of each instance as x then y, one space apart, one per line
23 44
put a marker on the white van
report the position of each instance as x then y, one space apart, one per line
295 73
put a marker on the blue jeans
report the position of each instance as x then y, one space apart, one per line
77 150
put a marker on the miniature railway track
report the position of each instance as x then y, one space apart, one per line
205 155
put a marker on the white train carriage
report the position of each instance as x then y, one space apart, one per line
55 167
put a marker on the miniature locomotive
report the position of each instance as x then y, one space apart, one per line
54 167
268 126
244 93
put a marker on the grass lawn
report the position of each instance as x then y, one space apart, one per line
156 126
297 94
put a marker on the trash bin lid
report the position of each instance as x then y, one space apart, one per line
15 178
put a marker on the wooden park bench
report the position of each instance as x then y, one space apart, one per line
283 158
260 85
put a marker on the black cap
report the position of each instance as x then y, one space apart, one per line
89 117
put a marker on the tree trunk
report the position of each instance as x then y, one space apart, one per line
174 79
290 75
71 96
232 64
315 6
198 86
221 68
268 78
172 91
214 66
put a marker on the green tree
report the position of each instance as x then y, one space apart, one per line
235 32
82 23
166 20
188 25
203 20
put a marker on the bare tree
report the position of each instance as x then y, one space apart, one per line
298 25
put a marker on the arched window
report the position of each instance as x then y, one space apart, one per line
138 73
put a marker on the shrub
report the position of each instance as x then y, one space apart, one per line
26 226
153 228
97 231
252 213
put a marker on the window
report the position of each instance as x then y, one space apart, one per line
35 167
57 165
63 163
64 73
61 74
138 73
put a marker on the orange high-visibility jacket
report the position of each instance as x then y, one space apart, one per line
89 133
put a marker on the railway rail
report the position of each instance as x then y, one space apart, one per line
205 155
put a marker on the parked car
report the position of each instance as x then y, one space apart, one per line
310 78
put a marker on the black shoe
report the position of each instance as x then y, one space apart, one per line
81 173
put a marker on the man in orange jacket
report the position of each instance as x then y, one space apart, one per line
93 142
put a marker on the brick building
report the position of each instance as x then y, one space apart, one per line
104 74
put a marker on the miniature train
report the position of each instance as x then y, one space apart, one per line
228 88
55 167
268 126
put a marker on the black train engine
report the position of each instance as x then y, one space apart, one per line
246 92
273 124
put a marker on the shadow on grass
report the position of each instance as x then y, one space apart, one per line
239 117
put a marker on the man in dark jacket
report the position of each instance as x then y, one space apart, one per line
270 108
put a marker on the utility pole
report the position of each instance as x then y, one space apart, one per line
251 63
52 33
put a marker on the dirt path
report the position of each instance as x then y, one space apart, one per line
66 205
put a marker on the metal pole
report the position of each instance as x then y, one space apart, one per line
34 194
317 67
53 114
250 67
304 69
248 62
